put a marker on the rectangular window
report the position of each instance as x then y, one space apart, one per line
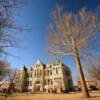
47 72
45 82
35 73
40 73
50 66
51 82
58 67
44 72
56 70
53 68
48 81
50 72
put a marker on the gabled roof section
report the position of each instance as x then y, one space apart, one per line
38 62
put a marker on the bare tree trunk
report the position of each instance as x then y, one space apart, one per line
81 75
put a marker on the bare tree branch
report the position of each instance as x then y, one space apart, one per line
8 26
94 68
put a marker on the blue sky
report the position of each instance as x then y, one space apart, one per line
36 14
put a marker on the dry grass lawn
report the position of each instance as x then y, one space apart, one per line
71 96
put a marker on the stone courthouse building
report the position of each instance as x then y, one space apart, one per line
52 78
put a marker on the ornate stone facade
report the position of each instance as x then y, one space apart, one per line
50 78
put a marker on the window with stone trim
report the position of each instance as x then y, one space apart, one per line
47 72
50 66
35 73
56 70
50 72
48 81
40 73
44 82
51 81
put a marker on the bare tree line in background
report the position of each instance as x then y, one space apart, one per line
7 74
3 69
9 31
69 35
94 68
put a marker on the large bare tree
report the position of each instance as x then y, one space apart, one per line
69 34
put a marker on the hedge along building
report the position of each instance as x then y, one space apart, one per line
54 77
